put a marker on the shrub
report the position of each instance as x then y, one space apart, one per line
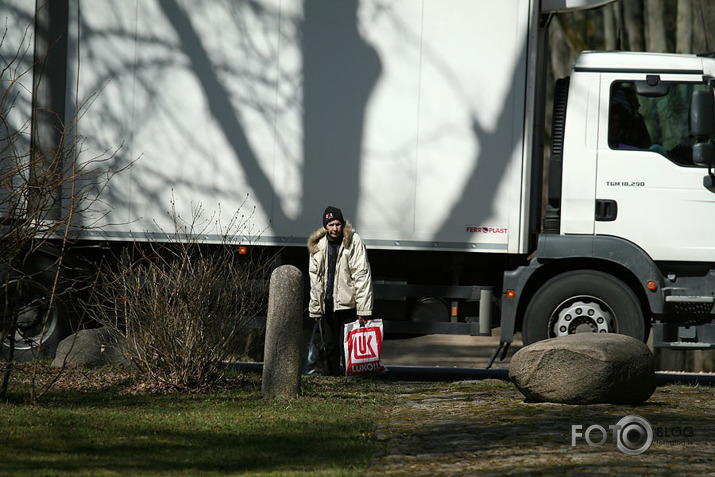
182 306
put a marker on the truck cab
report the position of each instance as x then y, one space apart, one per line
628 241
630 155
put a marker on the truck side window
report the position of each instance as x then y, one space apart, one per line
655 122
626 127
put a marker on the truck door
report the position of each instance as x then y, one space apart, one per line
648 190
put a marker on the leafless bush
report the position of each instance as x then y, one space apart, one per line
182 305
46 192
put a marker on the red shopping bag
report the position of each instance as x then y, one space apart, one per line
362 348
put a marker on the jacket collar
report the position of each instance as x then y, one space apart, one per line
315 238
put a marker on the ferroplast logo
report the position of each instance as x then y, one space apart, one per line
474 229
632 435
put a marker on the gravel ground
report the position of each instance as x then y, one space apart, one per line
486 428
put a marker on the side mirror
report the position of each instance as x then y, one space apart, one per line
704 154
702 113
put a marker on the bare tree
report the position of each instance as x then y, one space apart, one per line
44 189
640 25
703 23
655 26
684 27
562 53
633 24
611 27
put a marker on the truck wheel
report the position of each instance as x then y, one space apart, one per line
583 302
29 296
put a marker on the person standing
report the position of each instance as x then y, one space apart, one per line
340 281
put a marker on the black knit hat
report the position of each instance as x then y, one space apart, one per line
332 213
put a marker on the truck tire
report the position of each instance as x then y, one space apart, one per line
30 296
583 301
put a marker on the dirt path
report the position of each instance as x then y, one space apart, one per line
486 428
475 351
447 351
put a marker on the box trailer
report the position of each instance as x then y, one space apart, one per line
424 122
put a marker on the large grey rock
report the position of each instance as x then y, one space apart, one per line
585 368
282 359
92 347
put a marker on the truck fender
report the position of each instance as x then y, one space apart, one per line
578 248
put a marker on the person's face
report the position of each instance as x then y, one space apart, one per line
335 228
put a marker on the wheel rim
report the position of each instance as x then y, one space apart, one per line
582 314
31 300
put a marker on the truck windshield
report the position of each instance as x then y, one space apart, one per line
658 123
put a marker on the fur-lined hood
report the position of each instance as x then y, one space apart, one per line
316 236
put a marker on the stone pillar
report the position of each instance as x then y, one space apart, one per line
284 328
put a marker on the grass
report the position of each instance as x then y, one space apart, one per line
101 422
106 422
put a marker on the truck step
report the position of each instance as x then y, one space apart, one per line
689 299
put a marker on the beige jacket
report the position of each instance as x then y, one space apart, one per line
353 280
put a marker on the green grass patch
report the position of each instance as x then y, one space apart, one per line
92 425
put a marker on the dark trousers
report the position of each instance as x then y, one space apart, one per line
333 331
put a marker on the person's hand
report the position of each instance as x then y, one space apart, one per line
362 321
318 318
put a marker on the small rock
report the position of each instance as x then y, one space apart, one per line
96 346
585 368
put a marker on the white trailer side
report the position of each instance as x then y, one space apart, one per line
413 117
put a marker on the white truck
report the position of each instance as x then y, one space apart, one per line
423 120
